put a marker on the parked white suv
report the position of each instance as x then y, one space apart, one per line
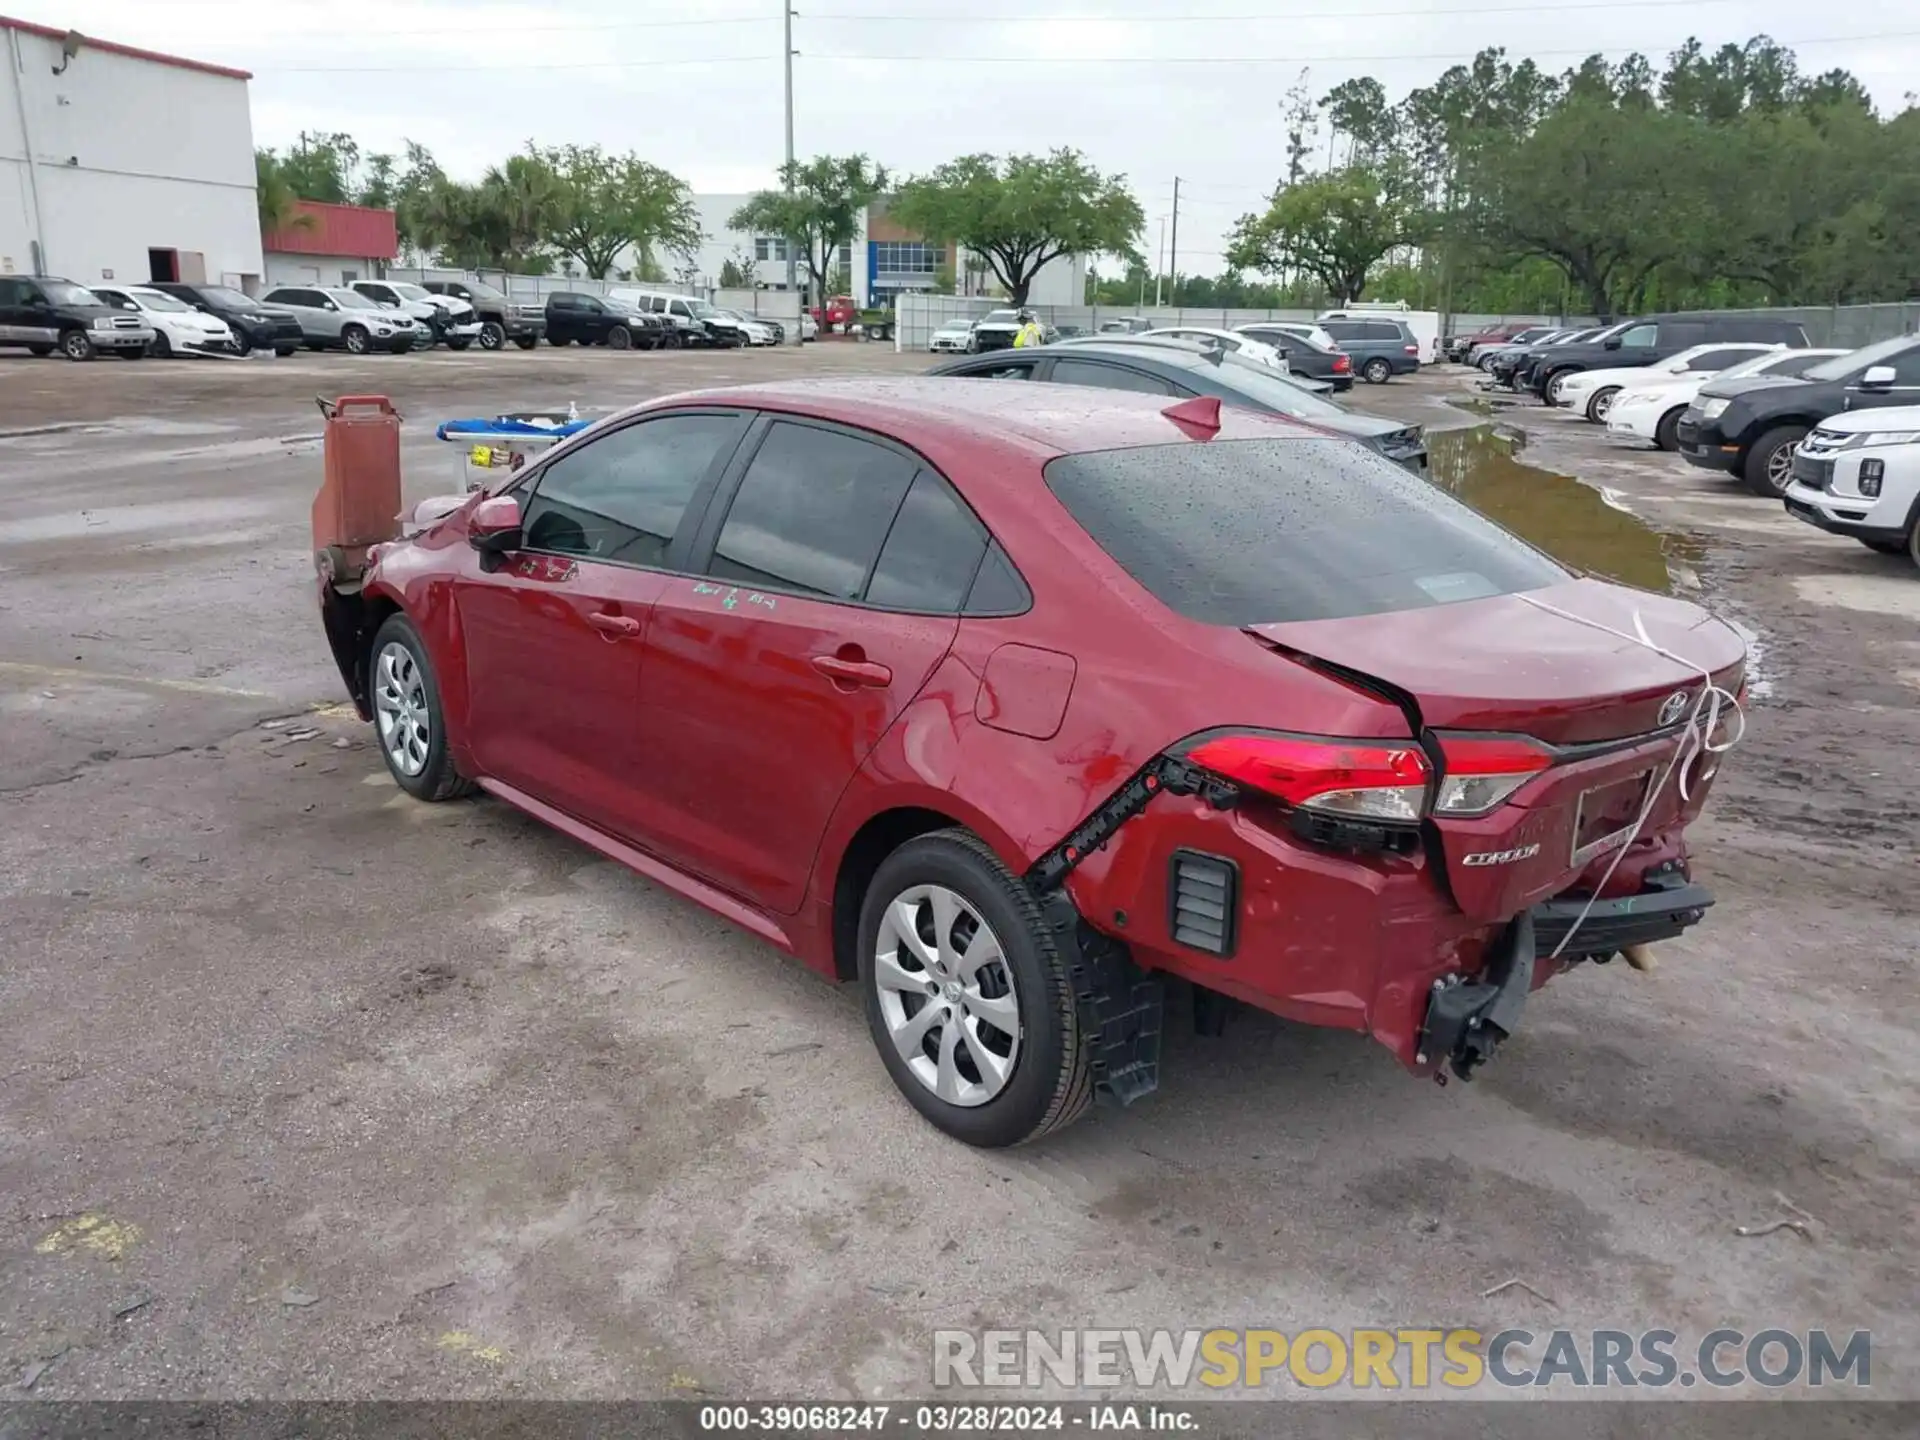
438 317
1858 474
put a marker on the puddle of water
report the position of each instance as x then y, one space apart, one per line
129 519
1578 524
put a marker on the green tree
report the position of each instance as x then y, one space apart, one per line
321 167
587 204
1020 211
278 201
1334 227
378 182
817 210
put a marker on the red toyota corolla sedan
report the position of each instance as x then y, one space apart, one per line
1008 701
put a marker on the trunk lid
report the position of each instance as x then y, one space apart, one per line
1503 665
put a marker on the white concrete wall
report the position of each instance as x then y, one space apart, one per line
285 269
129 155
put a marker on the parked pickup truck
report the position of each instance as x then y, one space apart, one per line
501 317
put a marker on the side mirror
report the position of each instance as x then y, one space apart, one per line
1613 344
1878 377
494 526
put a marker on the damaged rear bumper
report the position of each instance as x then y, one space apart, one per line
1466 1019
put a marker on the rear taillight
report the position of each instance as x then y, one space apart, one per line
1482 771
1357 779
1342 362
1411 349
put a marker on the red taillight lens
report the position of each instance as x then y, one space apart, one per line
1483 770
1342 362
1411 349
1362 779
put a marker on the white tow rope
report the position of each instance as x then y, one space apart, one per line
1696 738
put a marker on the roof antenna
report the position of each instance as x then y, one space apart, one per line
1199 417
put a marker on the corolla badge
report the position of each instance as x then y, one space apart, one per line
1673 707
1501 857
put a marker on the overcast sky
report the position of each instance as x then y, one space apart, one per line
1139 86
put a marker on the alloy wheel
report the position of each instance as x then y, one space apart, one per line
492 335
355 340
1603 404
946 994
1780 465
400 709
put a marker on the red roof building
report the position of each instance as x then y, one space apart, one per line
348 230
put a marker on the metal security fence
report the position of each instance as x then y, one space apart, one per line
1847 326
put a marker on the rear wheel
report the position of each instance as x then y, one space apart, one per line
1556 383
1666 434
492 335
1770 462
161 346
1376 371
407 714
967 997
1601 404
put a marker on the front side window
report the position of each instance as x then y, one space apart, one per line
1013 370
1638 336
65 292
812 512
621 497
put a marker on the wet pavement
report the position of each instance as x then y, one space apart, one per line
507 1120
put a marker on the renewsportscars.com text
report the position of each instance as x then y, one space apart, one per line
1414 1359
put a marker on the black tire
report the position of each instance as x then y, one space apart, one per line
1884 547
126 354
282 352
458 344
1769 463
1052 1081
620 338
525 342
670 340
559 342
1553 378
436 779
160 347
1913 544
493 335
355 340
40 350
243 344
1377 371
1600 402
1666 434
77 345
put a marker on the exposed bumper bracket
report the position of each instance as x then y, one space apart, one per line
1467 1019
1162 773
1665 906
1121 1007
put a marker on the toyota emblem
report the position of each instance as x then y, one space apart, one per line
1673 707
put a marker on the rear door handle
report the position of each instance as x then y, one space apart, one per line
614 625
852 672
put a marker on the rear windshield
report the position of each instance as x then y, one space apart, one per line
1242 532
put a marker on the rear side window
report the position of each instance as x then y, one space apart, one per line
1108 377
1381 330
812 512
1712 360
931 553
1248 531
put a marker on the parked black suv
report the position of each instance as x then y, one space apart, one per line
43 314
594 321
1751 427
1632 343
502 318
255 324
1380 349
1506 362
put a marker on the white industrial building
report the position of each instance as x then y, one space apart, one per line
123 164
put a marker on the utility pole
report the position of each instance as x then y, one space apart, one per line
786 50
1160 262
1173 250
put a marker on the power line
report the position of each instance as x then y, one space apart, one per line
1335 57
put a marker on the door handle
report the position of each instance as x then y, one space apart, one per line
615 626
852 672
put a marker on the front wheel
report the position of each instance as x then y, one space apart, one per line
1666 434
1770 462
1555 387
407 715
620 338
1376 371
458 344
1601 403
525 342
77 345
160 346
967 997
492 335
356 339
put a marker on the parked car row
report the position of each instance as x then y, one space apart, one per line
169 318
1335 351
1833 433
